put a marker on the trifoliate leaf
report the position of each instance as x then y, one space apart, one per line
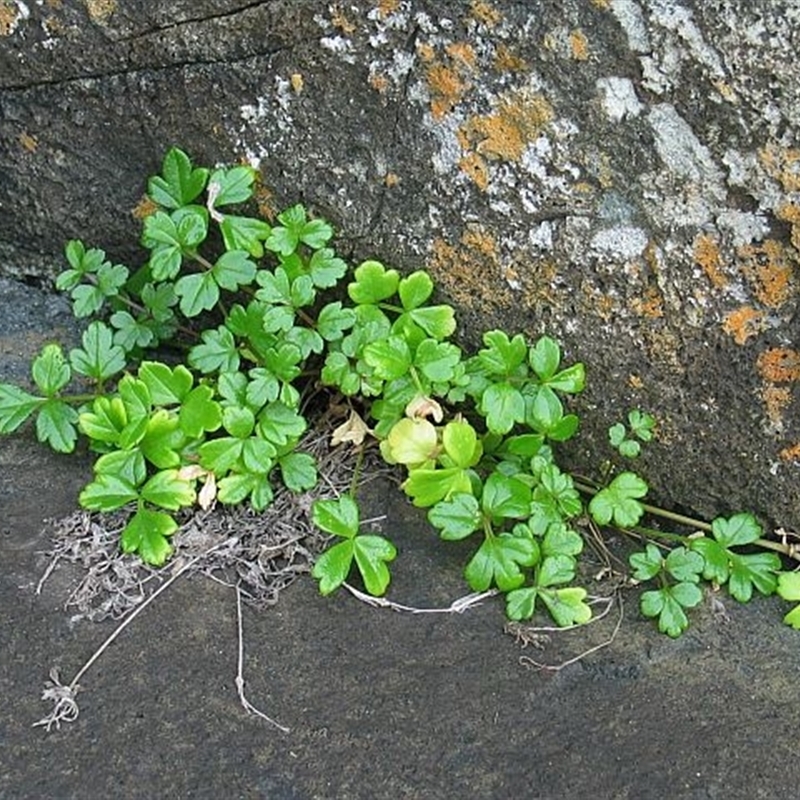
167 386
457 517
502 355
642 424
299 471
373 283
503 406
16 406
619 501
339 517
390 358
333 566
216 353
544 358
168 490
668 605
499 560
372 553
740 529
179 183
647 563
50 370
437 360
99 358
146 534
326 268
55 425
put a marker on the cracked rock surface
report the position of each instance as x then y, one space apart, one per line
621 174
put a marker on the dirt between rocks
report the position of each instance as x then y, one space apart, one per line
378 704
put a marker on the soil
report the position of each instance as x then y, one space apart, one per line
379 704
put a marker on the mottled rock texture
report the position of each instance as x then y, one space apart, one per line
621 174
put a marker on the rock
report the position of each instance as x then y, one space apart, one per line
619 174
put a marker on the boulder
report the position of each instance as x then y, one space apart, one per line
619 174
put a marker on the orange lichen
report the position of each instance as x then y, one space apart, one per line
776 400
790 212
30 143
779 365
507 61
708 257
265 201
387 7
782 164
9 15
518 120
297 82
579 45
768 267
468 272
379 82
426 52
462 53
475 168
446 88
743 323
485 13
650 306
101 10
391 179
791 453
340 21
600 4
635 382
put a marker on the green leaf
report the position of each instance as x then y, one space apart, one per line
339 517
437 321
456 517
167 386
373 283
108 492
554 570
619 501
106 421
333 566
646 564
642 424
228 186
257 455
502 355
279 423
55 425
505 497
326 268
162 440
629 448
498 560
221 455
788 587
147 535
245 233
372 553
390 358
616 434
437 360
130 333
51 372
168 490
684 565
178 183
460 442
546 412
415 289
561 541
668 605
567 605
299 471
561 488
570 381
99 358
234 269
740 529
198 292
159 300
759 570
199 412
16 406
217 353
521 603
545 357
126 464
333 321
411 441
503 406
428 486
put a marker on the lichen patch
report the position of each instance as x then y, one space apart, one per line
744 323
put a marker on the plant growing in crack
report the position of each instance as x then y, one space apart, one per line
199 372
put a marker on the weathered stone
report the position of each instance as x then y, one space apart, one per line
620 174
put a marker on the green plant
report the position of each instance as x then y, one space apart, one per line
195 379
